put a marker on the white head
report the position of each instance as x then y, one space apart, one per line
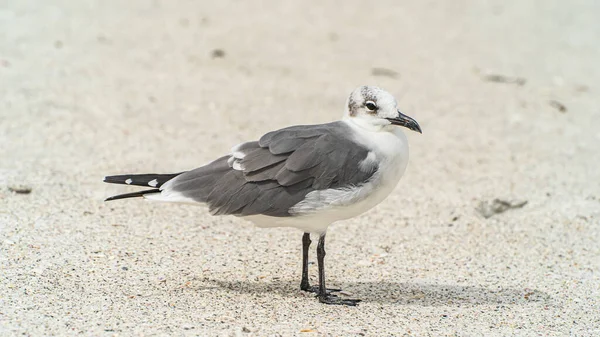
376 108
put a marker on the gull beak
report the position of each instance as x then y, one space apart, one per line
407 122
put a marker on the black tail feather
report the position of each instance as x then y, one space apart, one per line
132 195
150 179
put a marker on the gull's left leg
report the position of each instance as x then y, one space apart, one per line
324 296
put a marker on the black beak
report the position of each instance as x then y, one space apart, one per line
407 122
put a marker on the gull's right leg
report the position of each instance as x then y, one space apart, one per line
323 295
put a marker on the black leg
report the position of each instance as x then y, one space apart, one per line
324 296
304 284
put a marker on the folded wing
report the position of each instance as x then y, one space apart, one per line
273 174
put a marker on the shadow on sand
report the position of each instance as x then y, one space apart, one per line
402 293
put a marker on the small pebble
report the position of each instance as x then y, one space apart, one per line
20 189
384 72
558 106
218 53
504 79
497 206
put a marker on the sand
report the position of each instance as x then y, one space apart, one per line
506 94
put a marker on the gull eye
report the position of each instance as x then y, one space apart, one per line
371 106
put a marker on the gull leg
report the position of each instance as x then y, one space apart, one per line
323 295
305 284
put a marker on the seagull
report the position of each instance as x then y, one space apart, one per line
305 176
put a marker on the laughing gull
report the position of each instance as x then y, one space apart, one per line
305 176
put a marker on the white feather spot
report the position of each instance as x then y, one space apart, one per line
153 183
237 166
128 181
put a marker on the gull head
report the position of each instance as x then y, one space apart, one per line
376 108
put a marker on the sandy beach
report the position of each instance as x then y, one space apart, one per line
493 231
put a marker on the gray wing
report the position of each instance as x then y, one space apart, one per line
273 174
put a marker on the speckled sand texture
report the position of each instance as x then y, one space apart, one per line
507 94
